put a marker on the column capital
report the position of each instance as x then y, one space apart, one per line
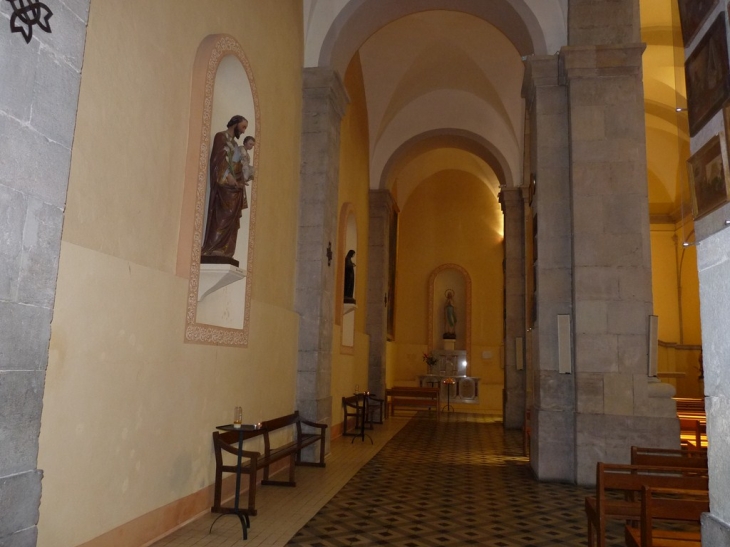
326 81
510 196
581 62
383 199
540 71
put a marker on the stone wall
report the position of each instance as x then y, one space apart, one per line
713 261
38 99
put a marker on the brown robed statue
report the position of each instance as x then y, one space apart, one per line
229 176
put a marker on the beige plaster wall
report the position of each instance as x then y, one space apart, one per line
451 217
350 366
129 408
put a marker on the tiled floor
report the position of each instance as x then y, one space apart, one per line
460 481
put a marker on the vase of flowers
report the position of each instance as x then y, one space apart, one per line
430 361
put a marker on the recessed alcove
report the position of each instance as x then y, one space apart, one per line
345 308
219 295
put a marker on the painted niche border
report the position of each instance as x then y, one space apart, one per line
210 54
467 280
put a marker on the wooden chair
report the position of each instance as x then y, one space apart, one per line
362 406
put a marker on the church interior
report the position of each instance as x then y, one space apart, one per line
516 207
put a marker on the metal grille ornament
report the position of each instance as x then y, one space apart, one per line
26 14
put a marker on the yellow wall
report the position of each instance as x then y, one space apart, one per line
350 369
674 276
128 407
451 217
664 281
675 280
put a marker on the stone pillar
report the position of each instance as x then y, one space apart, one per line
713 262
552 421
323 106
39 93
616 406
514 255
381 210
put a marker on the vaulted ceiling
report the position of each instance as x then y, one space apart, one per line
447 74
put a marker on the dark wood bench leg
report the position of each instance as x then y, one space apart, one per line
290 482
292 465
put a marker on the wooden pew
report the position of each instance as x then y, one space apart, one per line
693 433
668 504
630 479
686 405
418 397
663 457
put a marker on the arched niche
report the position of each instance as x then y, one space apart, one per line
455 278
344 310
222 86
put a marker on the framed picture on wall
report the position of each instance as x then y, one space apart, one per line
707 178
708 76
692 13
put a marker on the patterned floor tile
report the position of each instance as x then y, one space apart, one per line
460 481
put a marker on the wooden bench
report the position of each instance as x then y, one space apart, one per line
693 433
228 441
668 504
630 479
663 457
686 405
359 406
418 397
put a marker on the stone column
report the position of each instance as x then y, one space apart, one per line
713 262
514 251
39 93
381 210
323 106
552 420
616 406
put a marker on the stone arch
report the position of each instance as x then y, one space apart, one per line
359 19
453 138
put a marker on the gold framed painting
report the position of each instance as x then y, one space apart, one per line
707 73
692 13
707 181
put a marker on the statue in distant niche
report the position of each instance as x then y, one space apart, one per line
449 316
228 182
349 278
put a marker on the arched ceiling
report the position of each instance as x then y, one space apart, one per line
667 137
429 65
478 152
435 66
442 69
335 29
